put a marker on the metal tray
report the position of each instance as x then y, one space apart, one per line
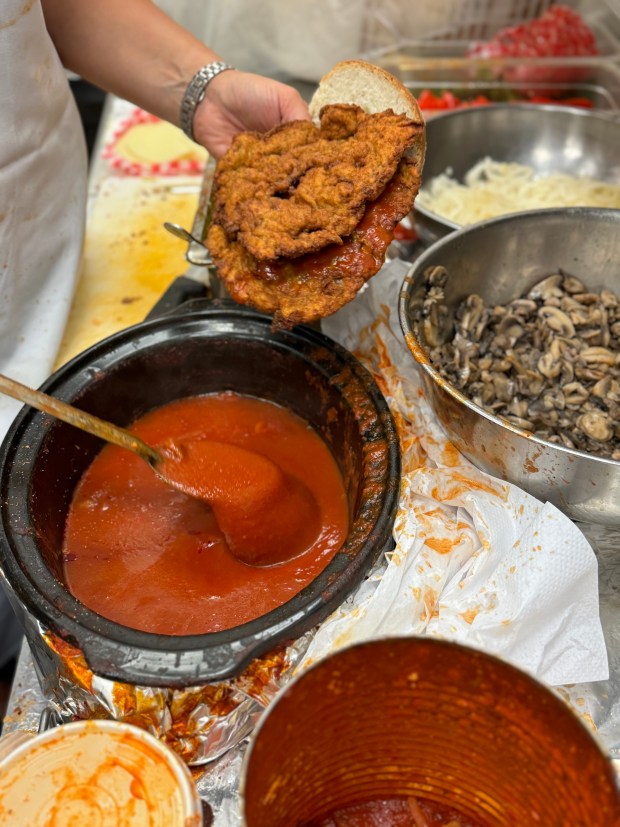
598 82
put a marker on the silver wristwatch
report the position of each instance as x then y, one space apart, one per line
195 92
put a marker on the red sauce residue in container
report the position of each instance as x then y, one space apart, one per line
396 813
152 558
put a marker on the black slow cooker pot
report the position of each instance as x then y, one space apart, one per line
200 348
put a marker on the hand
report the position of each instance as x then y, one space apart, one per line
237 102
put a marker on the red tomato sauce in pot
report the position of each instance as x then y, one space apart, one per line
152 558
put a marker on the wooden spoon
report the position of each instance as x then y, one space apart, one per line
265 515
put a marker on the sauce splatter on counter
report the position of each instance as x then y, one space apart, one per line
181 718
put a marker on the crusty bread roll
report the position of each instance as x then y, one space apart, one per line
373 89
368 86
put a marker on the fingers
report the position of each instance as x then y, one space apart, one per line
238 102
292 106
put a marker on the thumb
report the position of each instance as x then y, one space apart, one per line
292 106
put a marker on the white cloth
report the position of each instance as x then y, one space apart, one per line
299 40
42 198
42 206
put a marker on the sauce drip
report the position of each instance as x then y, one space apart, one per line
150 557
360 255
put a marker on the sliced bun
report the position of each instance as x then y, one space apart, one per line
370 87
373 89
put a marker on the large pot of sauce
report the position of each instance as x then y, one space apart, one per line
203 348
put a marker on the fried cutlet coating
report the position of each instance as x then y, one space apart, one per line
298 188
291 293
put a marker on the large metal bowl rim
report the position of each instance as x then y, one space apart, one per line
463 113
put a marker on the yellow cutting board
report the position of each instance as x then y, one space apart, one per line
129 258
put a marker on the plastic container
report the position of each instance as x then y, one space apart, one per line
446 29
96 773
432 53
601 86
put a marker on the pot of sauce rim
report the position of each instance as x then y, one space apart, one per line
202 347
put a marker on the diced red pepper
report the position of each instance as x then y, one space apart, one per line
585 102
428 101
447 100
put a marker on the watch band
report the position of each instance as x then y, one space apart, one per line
195 92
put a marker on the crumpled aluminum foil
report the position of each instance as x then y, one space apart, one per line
199 723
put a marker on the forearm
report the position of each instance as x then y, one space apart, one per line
128 47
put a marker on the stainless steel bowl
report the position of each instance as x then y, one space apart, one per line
501 259
546 138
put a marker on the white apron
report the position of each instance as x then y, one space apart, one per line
42 206
42 198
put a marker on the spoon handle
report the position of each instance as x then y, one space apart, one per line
80 419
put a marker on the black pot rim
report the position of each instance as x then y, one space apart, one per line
241 643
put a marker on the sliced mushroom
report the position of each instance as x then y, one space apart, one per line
518 407
504 387
557 320
548 287
575 393
567 372
586 373
572 285
579 316
567 440
548 362
511 328
549 365
608 299
500 365
437 276
598 356
554 399
596 425
470 313
586 298
530 383
523 307
519 422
